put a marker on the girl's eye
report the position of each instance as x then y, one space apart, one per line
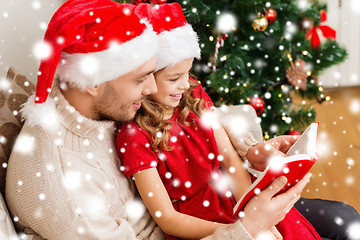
174 79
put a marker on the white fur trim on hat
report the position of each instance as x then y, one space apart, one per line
41 114
92 69
177 45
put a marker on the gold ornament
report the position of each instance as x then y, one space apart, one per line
260 24
296 74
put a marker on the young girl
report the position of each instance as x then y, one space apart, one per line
174 158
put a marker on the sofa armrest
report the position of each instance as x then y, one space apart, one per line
242 126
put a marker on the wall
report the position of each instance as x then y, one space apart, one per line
344 17
22 25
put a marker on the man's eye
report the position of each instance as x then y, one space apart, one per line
141 80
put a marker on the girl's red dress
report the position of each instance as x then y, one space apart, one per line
191 172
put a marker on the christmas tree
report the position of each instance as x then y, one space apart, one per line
263 53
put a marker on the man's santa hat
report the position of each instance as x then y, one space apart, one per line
93 42
177 39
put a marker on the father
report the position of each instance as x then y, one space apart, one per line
64 180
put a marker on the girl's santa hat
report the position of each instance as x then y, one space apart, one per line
94 42
177 39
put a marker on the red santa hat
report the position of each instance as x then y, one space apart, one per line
177 39
94 42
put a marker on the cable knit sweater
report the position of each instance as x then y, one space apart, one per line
64 182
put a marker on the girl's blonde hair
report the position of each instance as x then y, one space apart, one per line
150 117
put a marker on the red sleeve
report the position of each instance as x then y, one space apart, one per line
133 145
198 92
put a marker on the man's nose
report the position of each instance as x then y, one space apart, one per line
150 86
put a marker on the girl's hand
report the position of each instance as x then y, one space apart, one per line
265 210
259 154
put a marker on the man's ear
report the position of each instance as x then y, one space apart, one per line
93 91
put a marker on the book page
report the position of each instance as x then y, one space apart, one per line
306 144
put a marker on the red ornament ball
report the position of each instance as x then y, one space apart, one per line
258 104
271 15
293 132
225 36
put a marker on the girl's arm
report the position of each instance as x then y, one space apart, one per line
232 164
235 169
157 201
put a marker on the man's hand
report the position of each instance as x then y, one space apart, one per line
259 154
276 233
265 210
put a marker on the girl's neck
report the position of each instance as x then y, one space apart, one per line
168 112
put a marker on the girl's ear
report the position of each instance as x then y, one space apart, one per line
93 91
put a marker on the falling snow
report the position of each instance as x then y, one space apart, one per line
42 50
209 119
339 221
158 214
354 106
3 140
135 209
42 196
89 65
187 184
24 144
303 4
226 23
72 180
354 231
290 30
4 84
277 164
93 205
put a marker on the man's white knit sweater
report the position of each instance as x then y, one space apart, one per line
64 182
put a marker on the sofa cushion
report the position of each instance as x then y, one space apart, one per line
14 91
7 230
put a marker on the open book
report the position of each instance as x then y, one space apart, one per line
297 162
